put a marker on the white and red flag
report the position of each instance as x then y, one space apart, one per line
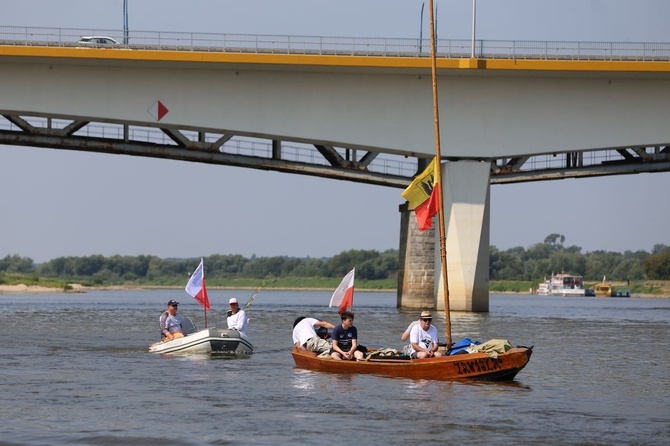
196 286
343 297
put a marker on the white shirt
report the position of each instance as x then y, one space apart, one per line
304 330
238 321
425 339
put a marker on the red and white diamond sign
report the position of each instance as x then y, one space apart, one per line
158 110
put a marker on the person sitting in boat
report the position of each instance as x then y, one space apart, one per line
424 338
345 339
304 335
170 322
237 318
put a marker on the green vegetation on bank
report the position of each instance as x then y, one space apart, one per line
32 280
515 270
374 270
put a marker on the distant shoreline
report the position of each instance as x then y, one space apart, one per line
75 288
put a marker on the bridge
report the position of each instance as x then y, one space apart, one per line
351 109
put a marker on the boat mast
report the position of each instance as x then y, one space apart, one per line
438 174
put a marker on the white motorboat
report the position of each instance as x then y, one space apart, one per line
543 289
214 341
563 285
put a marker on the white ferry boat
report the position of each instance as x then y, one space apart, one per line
563 285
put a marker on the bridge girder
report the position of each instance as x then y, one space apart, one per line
328 161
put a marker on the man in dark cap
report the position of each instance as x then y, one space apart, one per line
424 338
170 322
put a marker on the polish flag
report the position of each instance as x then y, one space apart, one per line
196 286
343 297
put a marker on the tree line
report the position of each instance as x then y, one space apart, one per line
552 256
534 263
114 270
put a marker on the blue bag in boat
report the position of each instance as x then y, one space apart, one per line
460 346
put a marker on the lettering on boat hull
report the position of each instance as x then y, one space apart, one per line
479 366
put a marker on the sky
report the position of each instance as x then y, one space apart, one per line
62 203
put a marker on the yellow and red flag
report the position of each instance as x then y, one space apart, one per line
423 195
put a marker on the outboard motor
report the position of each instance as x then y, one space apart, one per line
322 332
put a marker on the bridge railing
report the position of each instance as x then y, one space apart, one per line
354 46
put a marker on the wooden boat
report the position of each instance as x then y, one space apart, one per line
466 366
214 341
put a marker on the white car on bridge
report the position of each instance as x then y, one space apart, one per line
98 40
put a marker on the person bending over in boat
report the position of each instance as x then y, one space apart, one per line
170 322
423 338
237 318
304 335
345 339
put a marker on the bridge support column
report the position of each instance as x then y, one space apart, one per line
416 274
466 189
466 208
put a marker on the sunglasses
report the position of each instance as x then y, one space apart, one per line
426 320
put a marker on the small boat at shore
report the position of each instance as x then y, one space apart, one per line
480 366
605 289
213 341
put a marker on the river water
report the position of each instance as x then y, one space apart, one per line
75 370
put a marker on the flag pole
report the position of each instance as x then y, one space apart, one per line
204 287
438 175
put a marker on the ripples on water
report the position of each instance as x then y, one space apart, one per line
75 370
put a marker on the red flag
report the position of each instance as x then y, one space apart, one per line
196 286
428 209
344 294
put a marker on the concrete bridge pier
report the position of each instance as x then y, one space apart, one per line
466 192
416 274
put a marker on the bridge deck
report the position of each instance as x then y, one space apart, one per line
535 58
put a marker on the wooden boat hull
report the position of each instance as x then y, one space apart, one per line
466 366
221 342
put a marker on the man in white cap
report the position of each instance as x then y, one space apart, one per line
237 318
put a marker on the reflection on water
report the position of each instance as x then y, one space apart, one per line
75 369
